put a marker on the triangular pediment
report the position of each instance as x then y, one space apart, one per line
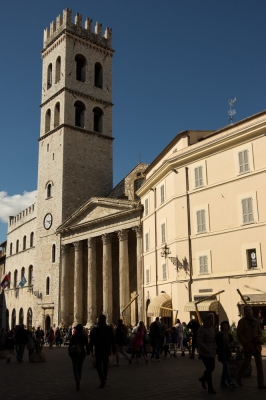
98 209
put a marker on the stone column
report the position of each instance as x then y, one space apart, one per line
124 287
91 296
78 287
138 231
65 285
107 278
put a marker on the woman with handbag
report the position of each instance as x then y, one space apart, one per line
76 350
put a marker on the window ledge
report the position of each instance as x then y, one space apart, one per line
204 273
50 197
244 172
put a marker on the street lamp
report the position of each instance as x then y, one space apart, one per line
165 251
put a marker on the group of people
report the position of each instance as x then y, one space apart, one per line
18 339
250 336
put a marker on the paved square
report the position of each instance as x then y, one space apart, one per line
169 379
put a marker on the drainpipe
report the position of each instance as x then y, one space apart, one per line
189 237
155 232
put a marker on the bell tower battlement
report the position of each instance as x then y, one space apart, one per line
64 23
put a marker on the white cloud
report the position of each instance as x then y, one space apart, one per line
12 205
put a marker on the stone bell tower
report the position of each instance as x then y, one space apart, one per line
75 144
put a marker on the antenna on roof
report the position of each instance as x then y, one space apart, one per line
231 112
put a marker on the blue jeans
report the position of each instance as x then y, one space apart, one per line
226 372
77 367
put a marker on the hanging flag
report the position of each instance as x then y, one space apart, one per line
22 282
5 282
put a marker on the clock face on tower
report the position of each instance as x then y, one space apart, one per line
48 220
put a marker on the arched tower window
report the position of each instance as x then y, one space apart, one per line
48 121
31 239
10 248
13 319
22 272
47 285
98 75
17 246
24 242
79 114
80 68
49 190
7 320
98 120
57 115
15 278
137 185
21 316
58 69
49 76
30 275
53 253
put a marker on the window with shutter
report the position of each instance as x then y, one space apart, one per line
164 274
201 223
146 207
247 210
147 276
198 176
203 264
163 232
243 161
147 242
162 194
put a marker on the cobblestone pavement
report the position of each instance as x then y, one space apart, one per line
168 379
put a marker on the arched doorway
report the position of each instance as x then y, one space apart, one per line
47 323
7 319
29 318
13 319
21 316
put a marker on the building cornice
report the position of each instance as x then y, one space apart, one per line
77 93
85 42
222 140
75 128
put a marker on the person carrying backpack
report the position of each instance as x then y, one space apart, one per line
76 350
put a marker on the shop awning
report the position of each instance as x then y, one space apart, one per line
207 305
163 300
259 299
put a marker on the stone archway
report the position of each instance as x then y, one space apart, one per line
21 316
29 318
47 323
13 319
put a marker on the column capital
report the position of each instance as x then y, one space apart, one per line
138 230
106 238
122 234
65 248
91 242
77 245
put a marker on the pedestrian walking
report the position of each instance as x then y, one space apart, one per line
9 345
103 340
174 340
167 342
76 350
137 344
225 342
185 337
193 325
155 335
121 341
179 330
31 342
51 338
250 336
21 341
207 351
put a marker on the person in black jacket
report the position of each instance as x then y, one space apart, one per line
21 339
120 340
224 342
193 325
103 340
76 350
10 343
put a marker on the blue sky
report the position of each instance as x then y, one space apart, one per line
176 65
